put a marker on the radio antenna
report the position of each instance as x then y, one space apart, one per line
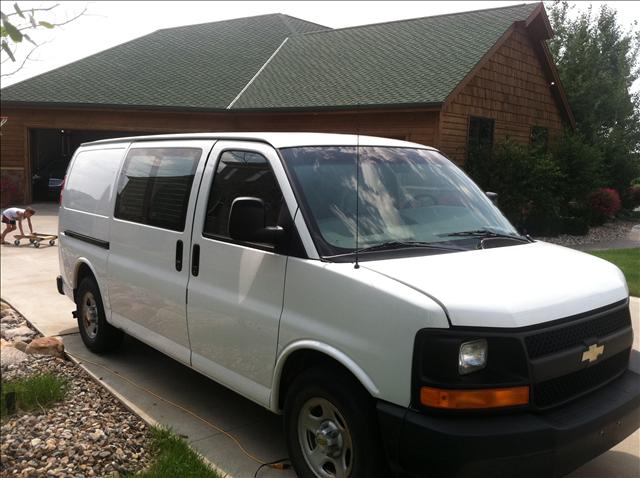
357 265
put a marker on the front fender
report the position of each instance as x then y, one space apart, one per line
325 349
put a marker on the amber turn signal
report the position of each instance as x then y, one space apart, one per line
469 399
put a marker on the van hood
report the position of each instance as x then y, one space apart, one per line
514 286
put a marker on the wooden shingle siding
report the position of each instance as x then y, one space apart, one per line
510 88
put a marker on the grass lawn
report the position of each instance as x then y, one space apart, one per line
172 456
31 393
629 261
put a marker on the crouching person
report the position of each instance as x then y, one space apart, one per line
15 214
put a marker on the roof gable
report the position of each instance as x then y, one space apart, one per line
195 66
408 62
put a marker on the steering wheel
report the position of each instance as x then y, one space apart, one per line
420 200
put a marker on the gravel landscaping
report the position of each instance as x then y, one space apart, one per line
609 232
89 433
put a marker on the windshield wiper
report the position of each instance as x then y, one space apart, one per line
484 233
394 245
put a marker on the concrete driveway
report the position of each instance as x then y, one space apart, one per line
163 391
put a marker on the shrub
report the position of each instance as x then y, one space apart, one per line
581 167
631 198
528 182
604 203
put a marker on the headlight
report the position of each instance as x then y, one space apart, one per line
472 356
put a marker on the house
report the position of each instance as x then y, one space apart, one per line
446 81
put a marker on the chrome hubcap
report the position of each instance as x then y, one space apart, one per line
90 315
325 439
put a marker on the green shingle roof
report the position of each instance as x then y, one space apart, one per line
417 61
196 66
244 64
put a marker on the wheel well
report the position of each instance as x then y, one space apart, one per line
83 271
302 360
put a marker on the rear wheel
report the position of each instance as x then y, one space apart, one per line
331 428
97 334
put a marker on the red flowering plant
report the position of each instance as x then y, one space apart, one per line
8 191
604 203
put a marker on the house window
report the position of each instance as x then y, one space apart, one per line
539 137
481 132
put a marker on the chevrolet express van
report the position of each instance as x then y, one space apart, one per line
363 287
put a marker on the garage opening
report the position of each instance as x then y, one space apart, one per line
50 153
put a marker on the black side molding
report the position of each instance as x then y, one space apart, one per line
88 239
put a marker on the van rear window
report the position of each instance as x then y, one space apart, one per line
155 185
91 178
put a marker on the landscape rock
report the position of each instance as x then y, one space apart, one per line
46 346
88 433
22 331
610 232
11 356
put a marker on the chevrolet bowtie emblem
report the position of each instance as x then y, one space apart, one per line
592 353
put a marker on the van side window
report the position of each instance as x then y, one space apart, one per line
155 185
240 173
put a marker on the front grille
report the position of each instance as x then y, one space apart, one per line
561 389
561 338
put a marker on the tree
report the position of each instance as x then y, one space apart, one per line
16 28
598 63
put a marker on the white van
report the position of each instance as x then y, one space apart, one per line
363 287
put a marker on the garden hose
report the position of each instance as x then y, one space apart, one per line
277 465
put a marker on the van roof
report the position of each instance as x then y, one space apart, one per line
277 140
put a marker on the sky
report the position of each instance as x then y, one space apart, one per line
107 23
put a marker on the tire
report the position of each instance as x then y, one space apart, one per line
16 242
97 334
52 242
330 413
36 244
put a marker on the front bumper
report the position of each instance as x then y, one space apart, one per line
549 444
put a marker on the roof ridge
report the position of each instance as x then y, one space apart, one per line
286 23
274 14
257 73
217 21
306 21
423 18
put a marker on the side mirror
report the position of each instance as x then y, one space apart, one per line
493 197
247 222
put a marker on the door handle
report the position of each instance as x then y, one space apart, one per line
179 247
195 260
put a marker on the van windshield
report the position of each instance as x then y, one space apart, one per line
405 195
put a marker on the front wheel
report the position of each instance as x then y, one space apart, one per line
97 334
331 428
